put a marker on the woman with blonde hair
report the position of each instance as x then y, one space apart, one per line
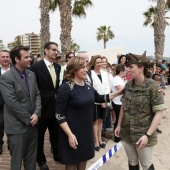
74 108
101 85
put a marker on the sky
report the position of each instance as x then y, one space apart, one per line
124 16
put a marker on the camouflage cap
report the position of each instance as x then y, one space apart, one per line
134 58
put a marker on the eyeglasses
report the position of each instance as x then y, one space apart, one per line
71 56
54 50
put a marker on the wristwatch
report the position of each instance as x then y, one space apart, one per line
148 136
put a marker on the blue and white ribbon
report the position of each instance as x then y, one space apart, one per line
105 157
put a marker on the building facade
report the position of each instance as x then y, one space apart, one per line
2 47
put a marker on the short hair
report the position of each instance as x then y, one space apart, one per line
68 54
5 51
93 60
48 45
120 67
150 65
158 77
158 65
16 52
75 64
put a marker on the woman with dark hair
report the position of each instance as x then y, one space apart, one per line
122 59
74 108
140 114
69 55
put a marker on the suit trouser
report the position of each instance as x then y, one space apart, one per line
24 147
1 126
52 125
143 155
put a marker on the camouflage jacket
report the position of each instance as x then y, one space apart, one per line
140 104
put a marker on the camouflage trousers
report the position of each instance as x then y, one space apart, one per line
143 155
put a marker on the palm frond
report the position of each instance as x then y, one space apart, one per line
80 6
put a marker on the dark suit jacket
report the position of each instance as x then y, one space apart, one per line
19 105
1 98
45 85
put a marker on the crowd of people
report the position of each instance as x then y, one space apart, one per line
77 102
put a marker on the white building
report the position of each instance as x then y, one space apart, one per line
110 53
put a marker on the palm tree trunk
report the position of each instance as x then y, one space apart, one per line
66 26
45 23
159 37
104 44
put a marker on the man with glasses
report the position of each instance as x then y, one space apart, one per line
47 75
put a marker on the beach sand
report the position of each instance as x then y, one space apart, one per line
161 153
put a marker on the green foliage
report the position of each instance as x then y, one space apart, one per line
150 16
80 6
74 46
104 33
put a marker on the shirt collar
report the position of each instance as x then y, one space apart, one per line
19 72
47 63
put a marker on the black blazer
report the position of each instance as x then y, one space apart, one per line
45 85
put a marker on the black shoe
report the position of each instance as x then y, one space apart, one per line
97 148
151 167
0 150
43 167
158 131
103 145
136 167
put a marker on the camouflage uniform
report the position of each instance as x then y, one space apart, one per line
140 104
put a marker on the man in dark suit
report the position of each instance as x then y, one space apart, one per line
21 109
5 66
47 75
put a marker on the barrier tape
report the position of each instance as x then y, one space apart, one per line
105 157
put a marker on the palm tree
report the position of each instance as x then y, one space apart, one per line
168 3
152 18
45 23
104 33
74 47
66 11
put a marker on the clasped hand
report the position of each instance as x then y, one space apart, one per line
33 119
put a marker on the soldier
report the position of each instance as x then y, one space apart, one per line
141 112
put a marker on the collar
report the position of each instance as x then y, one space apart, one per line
47 63
19 72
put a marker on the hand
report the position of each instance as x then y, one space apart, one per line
34 120
103 105
117 131
73 141
142 142
113 95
